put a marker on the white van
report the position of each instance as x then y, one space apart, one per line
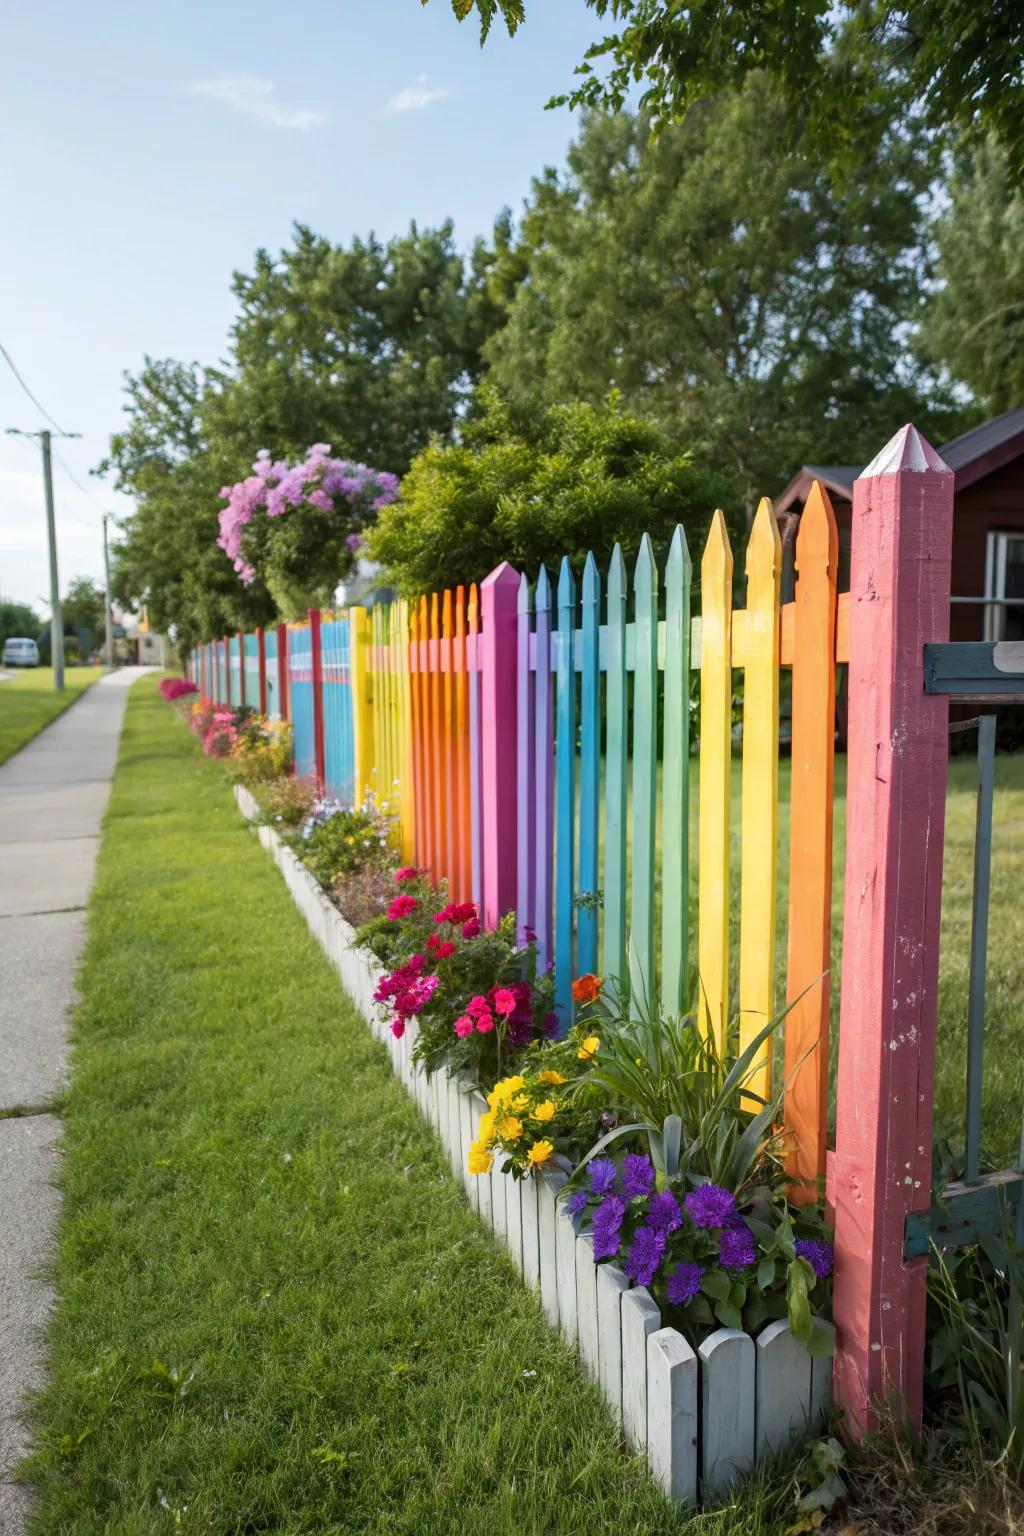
20 653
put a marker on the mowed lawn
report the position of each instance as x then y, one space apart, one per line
277 1311
28 701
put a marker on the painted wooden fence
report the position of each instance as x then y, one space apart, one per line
532 739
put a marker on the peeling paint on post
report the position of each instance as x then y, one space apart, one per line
895 811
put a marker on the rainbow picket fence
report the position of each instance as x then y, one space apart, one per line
533 741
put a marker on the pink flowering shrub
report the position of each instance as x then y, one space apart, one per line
176 688
299 526
478 999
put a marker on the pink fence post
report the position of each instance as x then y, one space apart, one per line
241 669
261 651
499 601
317 670
895 811
282 671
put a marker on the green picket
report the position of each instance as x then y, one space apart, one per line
645 761
675 869
616 758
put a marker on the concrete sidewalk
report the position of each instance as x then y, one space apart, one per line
53 794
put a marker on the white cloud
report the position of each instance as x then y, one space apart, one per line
414 97
254 96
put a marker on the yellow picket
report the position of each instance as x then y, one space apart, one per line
760 794
715 738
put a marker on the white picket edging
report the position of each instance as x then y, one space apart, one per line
703 1419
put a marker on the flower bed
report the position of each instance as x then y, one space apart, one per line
704 1412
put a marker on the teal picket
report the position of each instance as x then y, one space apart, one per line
590 768
645 767
675 792
565 793
616 767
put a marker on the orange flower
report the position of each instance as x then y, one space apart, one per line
585 989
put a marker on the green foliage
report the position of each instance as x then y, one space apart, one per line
525 490
976 1342
955 62
82 611
975 323
18 620
730 291
344 843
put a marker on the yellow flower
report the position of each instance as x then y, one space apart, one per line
545 1111
539 1153
554 1078
479 1159
488 1130
503 1091
588 1050
510 1128
520 1102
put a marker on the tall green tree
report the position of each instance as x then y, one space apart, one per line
18 620
728 290
82 610
956 62
372 348
975 323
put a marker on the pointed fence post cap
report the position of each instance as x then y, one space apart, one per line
503 575
905 453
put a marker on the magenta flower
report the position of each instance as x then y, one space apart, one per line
463 1026
471 930
408 872
504 1001
402 906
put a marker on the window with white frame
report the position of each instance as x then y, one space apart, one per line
1004 586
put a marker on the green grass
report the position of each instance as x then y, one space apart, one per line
278 1313
28 702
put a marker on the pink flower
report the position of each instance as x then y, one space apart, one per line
484 1023
408 873
478 1006
401 907
444 950
471 930
504 1001
398 1028
464 1026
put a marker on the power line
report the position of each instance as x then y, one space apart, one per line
9 360
66 467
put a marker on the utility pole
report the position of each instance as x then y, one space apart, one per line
107 613
56 620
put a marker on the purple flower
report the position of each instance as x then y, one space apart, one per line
577 1201
645 1255
683 1282
736 1248
663 1212
606 1224
354 542
637 1175
818 1254
602 1175
709 1205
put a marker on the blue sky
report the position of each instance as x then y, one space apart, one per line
149 150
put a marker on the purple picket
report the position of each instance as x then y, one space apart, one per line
525 875
544 778
475 761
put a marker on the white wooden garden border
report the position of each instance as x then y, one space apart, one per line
703 1419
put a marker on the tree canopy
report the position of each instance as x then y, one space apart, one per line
728 290
957 63
975 323
18 620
